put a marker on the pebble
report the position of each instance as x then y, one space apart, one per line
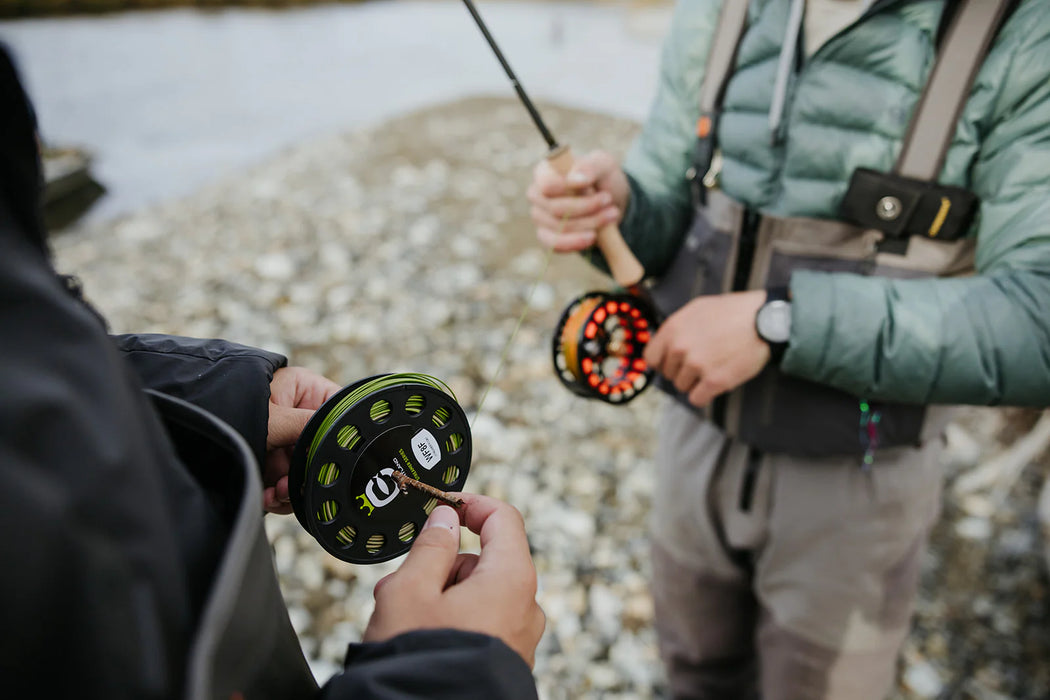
923 680
360 253
973 528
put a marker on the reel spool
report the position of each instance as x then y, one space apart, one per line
341 475
598 346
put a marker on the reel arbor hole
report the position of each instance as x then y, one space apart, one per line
348 436
415 404
450 476
375 543
453 443
441 417
380 411
407 533
346 536
328 474
326 514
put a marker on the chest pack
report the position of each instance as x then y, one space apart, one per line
900 224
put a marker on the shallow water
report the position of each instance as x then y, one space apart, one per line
170 100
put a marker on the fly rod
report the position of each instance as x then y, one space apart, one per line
623 265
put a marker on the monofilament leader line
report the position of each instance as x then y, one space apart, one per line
517 327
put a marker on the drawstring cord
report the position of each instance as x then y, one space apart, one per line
785 68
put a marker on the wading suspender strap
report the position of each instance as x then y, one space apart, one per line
731 23
968 37
962 51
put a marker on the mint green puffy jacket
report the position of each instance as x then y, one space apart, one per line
983 339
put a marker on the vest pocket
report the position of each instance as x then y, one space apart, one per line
775 412
788 415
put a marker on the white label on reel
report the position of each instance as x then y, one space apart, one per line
426 449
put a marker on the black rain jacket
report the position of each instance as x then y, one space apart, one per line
133 561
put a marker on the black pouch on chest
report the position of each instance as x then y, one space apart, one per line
901 207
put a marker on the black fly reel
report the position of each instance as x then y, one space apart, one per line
341 476
598 346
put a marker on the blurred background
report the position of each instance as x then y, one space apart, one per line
204 91
344 183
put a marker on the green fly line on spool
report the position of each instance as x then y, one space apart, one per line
377 415
341 478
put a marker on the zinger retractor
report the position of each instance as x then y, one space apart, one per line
343 479
598 346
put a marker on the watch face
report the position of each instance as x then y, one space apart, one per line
774 321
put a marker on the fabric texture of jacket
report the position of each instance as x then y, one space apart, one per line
980 339
136 564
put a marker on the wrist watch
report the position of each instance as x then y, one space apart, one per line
773 322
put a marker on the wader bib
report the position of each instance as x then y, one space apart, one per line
901 224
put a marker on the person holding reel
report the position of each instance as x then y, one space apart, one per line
843 206
136 470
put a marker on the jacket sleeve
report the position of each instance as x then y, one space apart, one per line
433 664
231 381
983 339
99 575
660 206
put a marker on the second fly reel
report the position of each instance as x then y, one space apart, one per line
599 344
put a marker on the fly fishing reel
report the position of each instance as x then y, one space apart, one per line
346 474
598 346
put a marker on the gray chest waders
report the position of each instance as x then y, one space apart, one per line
901 224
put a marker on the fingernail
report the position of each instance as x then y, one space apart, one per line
577 178
443 516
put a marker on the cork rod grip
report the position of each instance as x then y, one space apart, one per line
625 268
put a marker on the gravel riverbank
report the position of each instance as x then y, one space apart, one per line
407 247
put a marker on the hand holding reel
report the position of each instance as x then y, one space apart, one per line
597 348
601 336
343 475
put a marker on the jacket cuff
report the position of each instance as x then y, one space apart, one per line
434 664
229 380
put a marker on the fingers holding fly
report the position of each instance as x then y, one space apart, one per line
503 539
434 552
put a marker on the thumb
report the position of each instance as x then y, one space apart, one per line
285 425
434 552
